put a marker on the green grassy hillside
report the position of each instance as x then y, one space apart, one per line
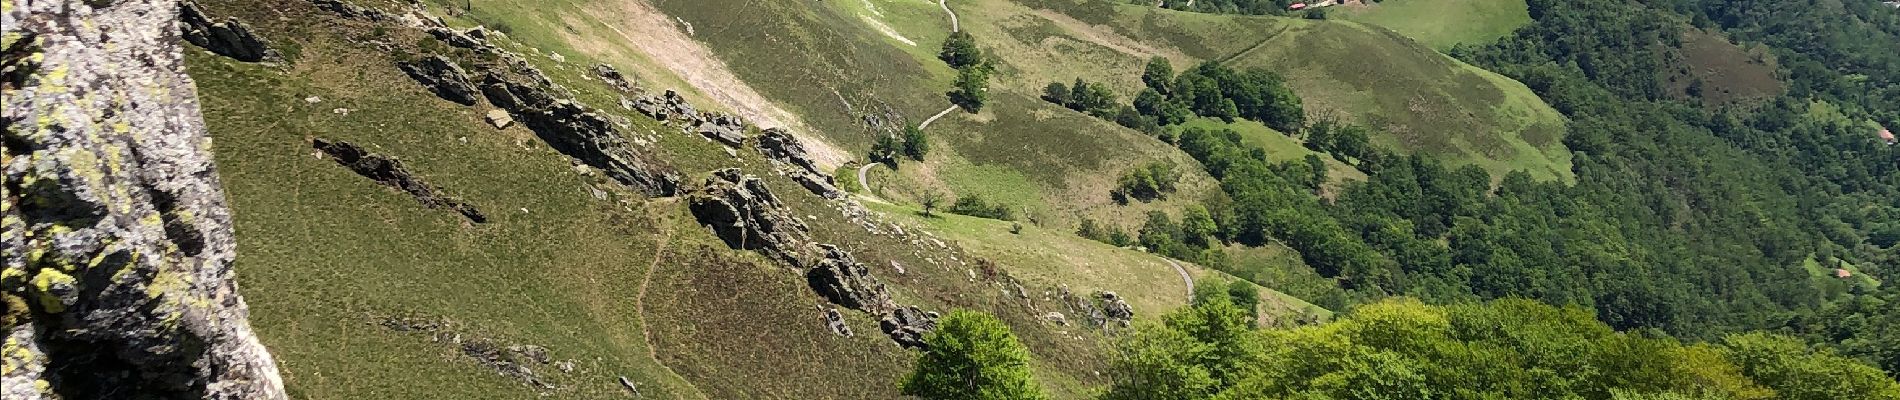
1419 100
361 292
1441 24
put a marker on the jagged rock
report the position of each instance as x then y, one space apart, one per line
347 10
457 39
784 149
390 172
908 325
613 77
846 282
442 77
1056 318
510 360
722 134
112 190
744 213
668 107
230 38
835 321
1115 309
582 134
500 119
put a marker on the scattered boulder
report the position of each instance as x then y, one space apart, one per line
230 38
835 321
443 77
613 77
390 172
1056 318
510 360
500 119
1102 308
744 213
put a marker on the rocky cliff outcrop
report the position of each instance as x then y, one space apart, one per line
390 172
116 239
229 38
580 133
745 214
443 77
784 149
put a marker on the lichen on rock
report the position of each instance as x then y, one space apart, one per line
114 234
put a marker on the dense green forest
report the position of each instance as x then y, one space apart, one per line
1405 349
1689 218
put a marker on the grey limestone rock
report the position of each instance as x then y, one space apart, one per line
115 238
229 38
391 172
745 214
581 133
443 77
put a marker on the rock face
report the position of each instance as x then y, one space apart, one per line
442 77
744 213
784 149
582 134
846 282
117 242
726 129
907 326
229 38
747 216
390 172
1101 308
613 77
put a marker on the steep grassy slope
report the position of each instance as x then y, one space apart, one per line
1441 24
362 292
1416 99
852 80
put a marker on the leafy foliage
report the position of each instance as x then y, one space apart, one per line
1520 349
1148 182
975 206
972 356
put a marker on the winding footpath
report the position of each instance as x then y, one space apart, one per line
953 16
863 179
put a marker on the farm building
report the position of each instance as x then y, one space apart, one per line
1297 6
1843 273
1887 135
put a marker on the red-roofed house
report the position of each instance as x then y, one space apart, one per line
1887 135
1297 6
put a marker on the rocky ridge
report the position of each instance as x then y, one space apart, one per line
390 172
116 237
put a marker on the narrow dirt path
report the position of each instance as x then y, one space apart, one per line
954 27
1185 278
862 184
934 118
